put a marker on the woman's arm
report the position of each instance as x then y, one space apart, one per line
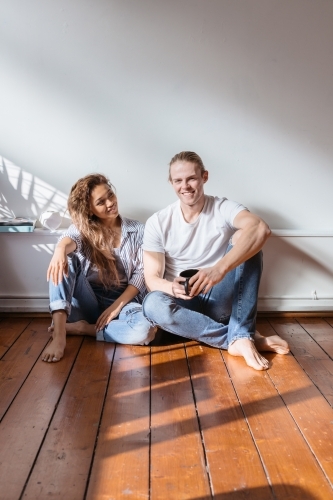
59 264
114 310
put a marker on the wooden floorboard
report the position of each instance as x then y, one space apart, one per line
224 431
63 464
174 420
27 420
10 330
311 357
121 461
177 456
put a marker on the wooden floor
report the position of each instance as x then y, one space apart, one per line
173 420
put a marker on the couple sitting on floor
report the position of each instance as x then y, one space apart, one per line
103 263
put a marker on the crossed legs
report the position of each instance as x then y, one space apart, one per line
224 318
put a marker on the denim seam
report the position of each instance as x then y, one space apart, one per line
240 291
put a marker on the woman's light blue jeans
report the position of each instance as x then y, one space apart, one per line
225 314
82 301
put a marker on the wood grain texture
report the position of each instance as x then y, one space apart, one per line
10 330
291 467
329 320
18 361
63 464
26 422
321 331
121 461
225 433
178 468
312 358
310 411
79 429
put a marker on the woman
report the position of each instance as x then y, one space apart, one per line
96 274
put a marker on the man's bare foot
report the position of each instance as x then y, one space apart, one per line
54 351
77 328
247 349
273 343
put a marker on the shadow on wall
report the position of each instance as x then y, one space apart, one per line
297 267
24 195
294 265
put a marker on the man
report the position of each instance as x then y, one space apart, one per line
221 239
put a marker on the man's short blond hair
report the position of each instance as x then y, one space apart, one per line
188 156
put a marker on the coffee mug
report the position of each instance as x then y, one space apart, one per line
188 273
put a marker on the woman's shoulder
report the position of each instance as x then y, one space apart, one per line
132 224
71 231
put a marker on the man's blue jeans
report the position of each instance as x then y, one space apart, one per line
81 301
225 314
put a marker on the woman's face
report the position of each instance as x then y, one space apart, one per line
104 204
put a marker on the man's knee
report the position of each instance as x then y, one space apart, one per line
154 305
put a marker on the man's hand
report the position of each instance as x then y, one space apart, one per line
201 282
178 289
204 280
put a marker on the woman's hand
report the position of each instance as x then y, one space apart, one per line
107 316
58 266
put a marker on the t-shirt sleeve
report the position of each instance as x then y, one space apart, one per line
228 209
152 239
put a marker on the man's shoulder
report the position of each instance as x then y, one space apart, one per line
164 213
223 210
222 202
213 203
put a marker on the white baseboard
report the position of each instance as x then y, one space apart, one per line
30 305
265 304
294 304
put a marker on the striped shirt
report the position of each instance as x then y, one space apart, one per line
130 252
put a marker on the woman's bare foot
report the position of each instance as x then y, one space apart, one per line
273 343
77 328
54 351
247 349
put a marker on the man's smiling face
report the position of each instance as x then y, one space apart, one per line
188 182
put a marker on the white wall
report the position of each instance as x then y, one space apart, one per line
121 86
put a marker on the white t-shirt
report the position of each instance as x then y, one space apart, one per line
191 246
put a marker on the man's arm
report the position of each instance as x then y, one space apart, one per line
154 265
247 241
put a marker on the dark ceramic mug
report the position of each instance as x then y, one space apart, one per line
187 274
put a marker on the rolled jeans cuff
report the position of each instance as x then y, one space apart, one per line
60 305
244 336
100 335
